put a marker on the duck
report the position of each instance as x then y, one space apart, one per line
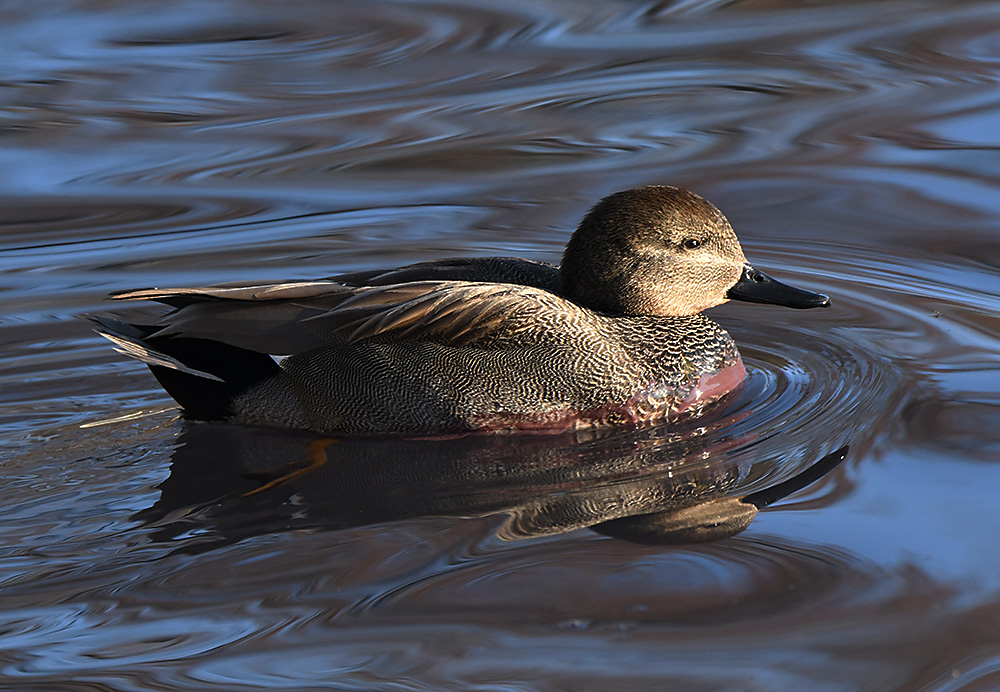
614 335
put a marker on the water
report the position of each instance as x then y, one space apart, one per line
852 145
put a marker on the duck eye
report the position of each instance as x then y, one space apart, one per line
691 243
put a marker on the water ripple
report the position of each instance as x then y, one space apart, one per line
190 142
556 103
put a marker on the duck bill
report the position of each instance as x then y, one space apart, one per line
757 287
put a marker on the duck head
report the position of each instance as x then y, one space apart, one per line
664 251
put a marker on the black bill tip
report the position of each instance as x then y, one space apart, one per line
755 286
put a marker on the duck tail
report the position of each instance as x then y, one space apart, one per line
202 376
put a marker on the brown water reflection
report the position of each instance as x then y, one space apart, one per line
853 146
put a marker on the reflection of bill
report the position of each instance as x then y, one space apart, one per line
717 518
649 485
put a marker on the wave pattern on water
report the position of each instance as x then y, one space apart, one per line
854 148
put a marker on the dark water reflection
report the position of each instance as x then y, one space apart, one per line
853 145
628 484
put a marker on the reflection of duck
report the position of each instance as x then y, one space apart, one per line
613 335
231 482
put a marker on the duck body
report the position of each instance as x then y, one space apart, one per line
613 336
541 381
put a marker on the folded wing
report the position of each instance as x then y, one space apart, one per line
292 317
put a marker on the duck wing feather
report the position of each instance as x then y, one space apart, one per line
457 313
263 317
508 270
285 318
280 290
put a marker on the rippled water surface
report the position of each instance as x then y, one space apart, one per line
854 146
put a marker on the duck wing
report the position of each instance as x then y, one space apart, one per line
457 313
293 317
258 291
262 317
288 317
506 270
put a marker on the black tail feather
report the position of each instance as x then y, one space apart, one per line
201 397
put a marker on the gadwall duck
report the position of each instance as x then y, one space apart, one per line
612 336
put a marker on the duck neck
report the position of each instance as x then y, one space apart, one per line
607 297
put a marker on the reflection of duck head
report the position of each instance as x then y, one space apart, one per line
635 484
717 518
